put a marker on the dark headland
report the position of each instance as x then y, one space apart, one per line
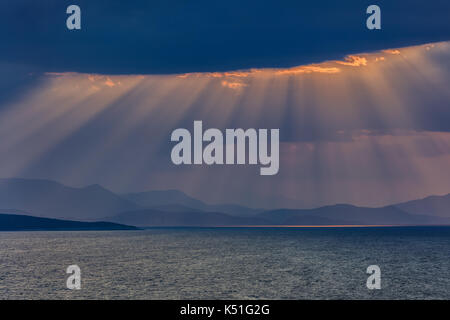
15 222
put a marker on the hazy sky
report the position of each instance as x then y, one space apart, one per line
99 106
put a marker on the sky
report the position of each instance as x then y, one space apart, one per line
173 36
364 115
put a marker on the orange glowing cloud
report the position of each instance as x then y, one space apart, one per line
235 79
392 51
233 85
230 74
308 69
109 82
252 72
353 61
238 79
240 74
101 80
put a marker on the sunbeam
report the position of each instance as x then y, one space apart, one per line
370 129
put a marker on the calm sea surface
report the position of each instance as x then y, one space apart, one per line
228 263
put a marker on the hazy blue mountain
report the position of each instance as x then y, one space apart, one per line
158 198
434 205
16 222
352 215
152 217
14 211
173 208
329 215
50 199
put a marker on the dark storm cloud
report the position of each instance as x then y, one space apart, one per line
183 36
16 80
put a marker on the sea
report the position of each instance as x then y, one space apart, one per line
228 263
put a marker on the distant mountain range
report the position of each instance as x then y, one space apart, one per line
16 222
49 199
155 217
344 214
174 197
44 198
434 205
